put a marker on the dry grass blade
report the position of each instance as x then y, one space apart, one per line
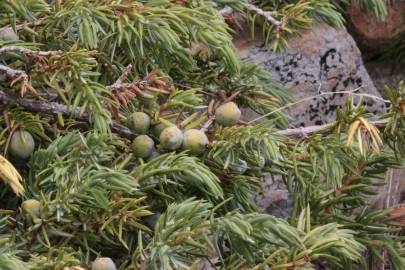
352 130
361 143
11 176
374 133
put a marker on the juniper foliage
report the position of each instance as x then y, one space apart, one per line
73 71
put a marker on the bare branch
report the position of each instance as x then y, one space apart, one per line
41 106
55 108
29 52
351 92
18 76
12 73
124 75
266 14
305 131
24 25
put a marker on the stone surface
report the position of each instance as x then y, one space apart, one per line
320 61
393 192
373 35
383 74
275 198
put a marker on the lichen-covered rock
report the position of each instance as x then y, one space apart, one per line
275 198
320 61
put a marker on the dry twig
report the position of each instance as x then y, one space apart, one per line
226 11
29 52
18 76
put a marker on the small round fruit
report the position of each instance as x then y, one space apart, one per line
171 138
195 140
143 146
73 268
228 114
22 144
8 34
157 129
103 263
139 122
31 207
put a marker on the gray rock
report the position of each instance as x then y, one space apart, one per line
384 74
275 199
393 192
322 60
